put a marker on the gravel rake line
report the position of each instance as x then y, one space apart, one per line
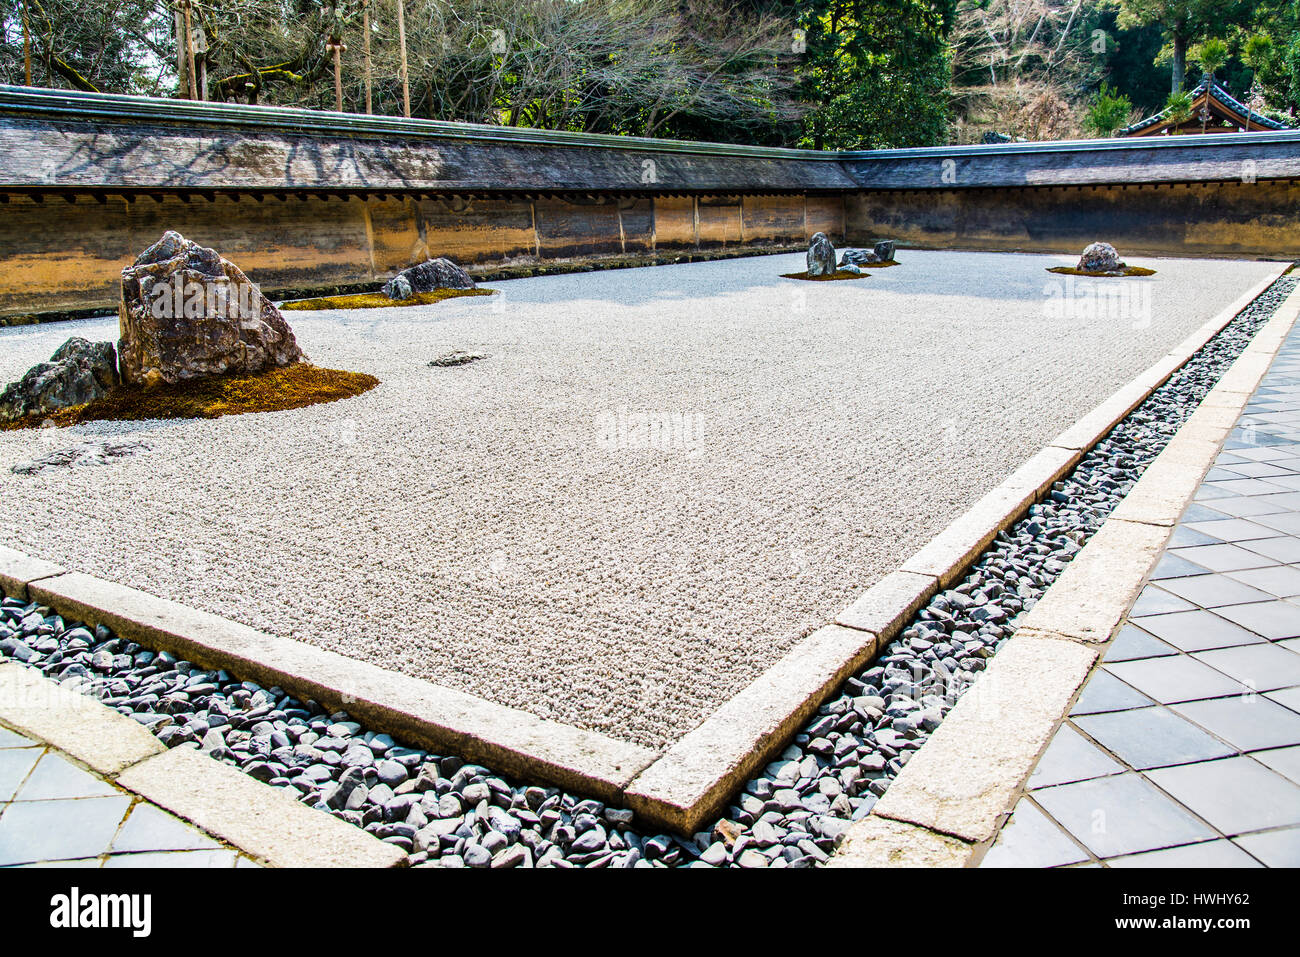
446 812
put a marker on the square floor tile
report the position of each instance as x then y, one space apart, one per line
1241 487
1240 443
1223 474
1220 853
1222 557
1152 738
1247 506
1208 493
1286 697
1235 529
1179 678
38 830
1030 839
1259 452
1132 643
1279 549
12 739
1184 537
54 778
1280 580
1105 692
15 765
1265 667
1213 591
169 859
1285 761
1199 630
1275 620
80 863
1234 794
150 829
1248 724
1172 566
1071 757
1275 848
1121 814
1287 523
1157 601
1253 469
1200 512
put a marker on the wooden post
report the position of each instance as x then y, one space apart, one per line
365 28
338 81
27 48
401 40
189 51
182 84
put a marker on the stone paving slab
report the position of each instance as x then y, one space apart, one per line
1183 750
78 784
55 812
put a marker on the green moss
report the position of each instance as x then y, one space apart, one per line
833 277
377 300
272 390
1128 271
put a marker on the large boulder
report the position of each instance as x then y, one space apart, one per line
858 257
885 249
427 277
821 256
1100 257
187 313
77 373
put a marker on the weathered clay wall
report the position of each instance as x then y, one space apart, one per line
58 255
1213 220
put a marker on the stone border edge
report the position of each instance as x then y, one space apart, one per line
954 795
439 718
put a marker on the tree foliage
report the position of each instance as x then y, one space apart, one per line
1109 111
817 73
880 71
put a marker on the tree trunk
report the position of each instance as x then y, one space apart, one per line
1180 60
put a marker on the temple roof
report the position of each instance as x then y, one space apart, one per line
1223 108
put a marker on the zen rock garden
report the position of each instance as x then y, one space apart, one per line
197 338
1102 260
852 263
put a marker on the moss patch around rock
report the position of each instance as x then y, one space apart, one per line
377 300
272 390
1128 271
833 277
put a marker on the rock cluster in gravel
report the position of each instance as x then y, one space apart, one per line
86 452
444 810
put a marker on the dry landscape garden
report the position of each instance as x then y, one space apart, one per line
772 435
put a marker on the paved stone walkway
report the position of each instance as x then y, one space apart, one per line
56 814
1183 749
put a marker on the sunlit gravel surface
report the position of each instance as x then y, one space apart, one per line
502 527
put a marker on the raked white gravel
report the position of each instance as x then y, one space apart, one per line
500 527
